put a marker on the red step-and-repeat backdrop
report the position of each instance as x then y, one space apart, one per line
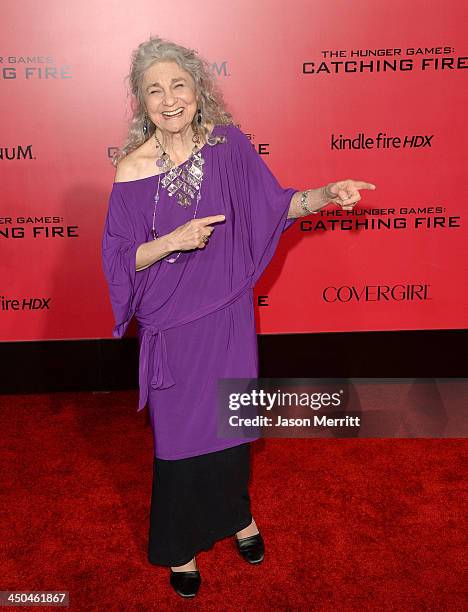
325 89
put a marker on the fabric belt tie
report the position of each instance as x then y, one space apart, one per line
153 345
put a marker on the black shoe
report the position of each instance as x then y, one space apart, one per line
185 584
252 549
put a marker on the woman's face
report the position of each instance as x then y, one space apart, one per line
167 87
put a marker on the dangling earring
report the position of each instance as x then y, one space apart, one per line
145 126
196 133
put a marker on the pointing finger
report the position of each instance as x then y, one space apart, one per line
212 219
363 185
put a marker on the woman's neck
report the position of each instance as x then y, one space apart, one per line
177 145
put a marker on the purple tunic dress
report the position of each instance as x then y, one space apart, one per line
196 316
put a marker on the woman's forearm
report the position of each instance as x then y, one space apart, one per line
154 250
316 199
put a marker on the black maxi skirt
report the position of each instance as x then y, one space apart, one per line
197 501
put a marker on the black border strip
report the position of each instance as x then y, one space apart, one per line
108 364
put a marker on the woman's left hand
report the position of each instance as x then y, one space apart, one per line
346 193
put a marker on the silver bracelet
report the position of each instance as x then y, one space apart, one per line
303 203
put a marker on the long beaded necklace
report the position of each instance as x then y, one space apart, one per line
184 180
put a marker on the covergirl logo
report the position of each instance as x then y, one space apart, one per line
376 293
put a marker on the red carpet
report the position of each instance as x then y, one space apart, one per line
348 524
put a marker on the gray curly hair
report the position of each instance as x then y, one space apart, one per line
211 101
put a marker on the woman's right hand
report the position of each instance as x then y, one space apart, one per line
189 236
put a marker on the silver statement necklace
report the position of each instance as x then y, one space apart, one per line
185 181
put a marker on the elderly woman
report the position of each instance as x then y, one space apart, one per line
194 217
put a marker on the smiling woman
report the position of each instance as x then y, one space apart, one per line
195 216
190 312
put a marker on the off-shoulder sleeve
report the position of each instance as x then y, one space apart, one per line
267 204
119 247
